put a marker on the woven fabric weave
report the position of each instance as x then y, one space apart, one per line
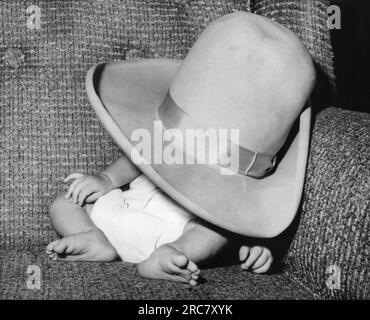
333 232
48 129
118 280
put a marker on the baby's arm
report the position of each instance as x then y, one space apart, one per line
68 213
88 188
121 172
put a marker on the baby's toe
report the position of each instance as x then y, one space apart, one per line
50 247
195 276
176 266
192 267
50 250
178 261
196 272
62 246
193 282
186 269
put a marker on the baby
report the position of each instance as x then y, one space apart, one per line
99 222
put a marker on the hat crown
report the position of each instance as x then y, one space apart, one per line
246 72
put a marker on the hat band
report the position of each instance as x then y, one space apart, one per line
251 163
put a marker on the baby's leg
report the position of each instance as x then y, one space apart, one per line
201 241
178 260
69 218
82 240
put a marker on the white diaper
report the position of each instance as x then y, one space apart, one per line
139 220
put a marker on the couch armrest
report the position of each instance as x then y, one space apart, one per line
332 238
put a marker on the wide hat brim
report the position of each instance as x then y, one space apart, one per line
126 95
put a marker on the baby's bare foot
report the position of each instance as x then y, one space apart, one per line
85 246
256 259
168 263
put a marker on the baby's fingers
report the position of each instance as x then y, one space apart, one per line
254 254
93 197
243 253
84 192
262 259
78 189
72 187
73 176
265 267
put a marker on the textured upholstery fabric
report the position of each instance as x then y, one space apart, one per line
48 130
334 228
48 127
120 281
307 19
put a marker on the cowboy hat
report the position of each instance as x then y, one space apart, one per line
244 73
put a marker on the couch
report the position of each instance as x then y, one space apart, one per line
48 130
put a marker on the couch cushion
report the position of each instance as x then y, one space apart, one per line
61 280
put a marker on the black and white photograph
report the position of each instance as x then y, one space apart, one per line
191 156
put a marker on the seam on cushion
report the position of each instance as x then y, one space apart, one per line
305 286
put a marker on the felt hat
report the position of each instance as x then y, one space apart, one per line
247 80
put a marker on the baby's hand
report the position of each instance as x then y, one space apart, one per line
87 188
256 259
